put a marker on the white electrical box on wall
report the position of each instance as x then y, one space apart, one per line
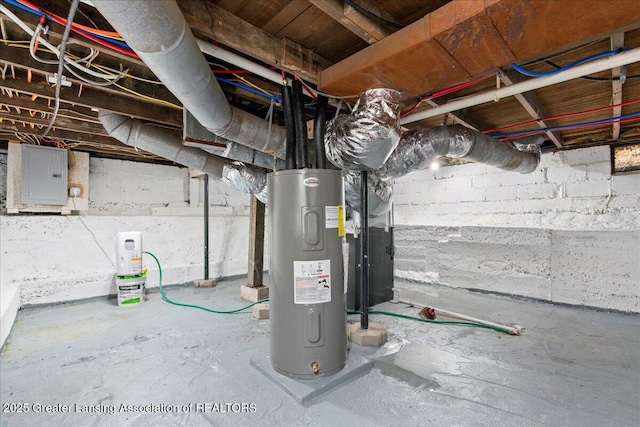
129 253
44 175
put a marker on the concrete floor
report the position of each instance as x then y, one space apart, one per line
571 367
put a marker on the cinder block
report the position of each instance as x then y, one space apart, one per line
599 171
564 174
472 195
261 311
585 156
501 193
588 189
254 294
374 336
459 183
536 191
488 180
513 178
625 184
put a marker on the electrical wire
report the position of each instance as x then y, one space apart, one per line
446 91
566 67
440 322
63 48
109 39
182 304
622 119
91 232
560 116
372 15
595 79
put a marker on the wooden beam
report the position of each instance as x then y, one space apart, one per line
92 98
532 104
377 30
213 22
617 42
22 59
44 105
60 123
256 242
464 117
66 135
429 53
336 10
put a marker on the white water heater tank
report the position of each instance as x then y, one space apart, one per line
129 253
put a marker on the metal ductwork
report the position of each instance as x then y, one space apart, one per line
159 34
364 139
159 141
461 142
419 147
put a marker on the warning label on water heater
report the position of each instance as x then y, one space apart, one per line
312 281
334 218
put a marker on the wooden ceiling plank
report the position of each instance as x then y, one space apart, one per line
215 23
66 135
60 123
335 9
22 59
464 117
531 104
523 27
92 98
376 29
288 13
617 42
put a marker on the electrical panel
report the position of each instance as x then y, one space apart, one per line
44 175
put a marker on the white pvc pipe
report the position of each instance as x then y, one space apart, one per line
516 330
239 61
614 61
247 64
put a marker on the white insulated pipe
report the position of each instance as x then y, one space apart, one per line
614 61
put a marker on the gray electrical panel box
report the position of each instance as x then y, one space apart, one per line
44 175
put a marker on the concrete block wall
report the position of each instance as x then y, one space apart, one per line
571 189
568 233
595 268
52 258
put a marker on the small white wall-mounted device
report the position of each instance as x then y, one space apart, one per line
129 253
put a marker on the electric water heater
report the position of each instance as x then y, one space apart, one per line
307 295
129 253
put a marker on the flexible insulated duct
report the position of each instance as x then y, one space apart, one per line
365 139
247 179
461 142
414 152
161 142
159 34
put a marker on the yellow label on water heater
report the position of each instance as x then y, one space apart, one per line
340 221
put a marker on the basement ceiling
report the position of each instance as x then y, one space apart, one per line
433 51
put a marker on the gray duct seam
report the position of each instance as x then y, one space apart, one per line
159 34
161 142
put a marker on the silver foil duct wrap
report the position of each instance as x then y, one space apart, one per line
380 193
414 152
247 179
364 139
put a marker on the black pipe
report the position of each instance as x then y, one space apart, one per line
206 226
364 251
290 125
302 156
319 128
